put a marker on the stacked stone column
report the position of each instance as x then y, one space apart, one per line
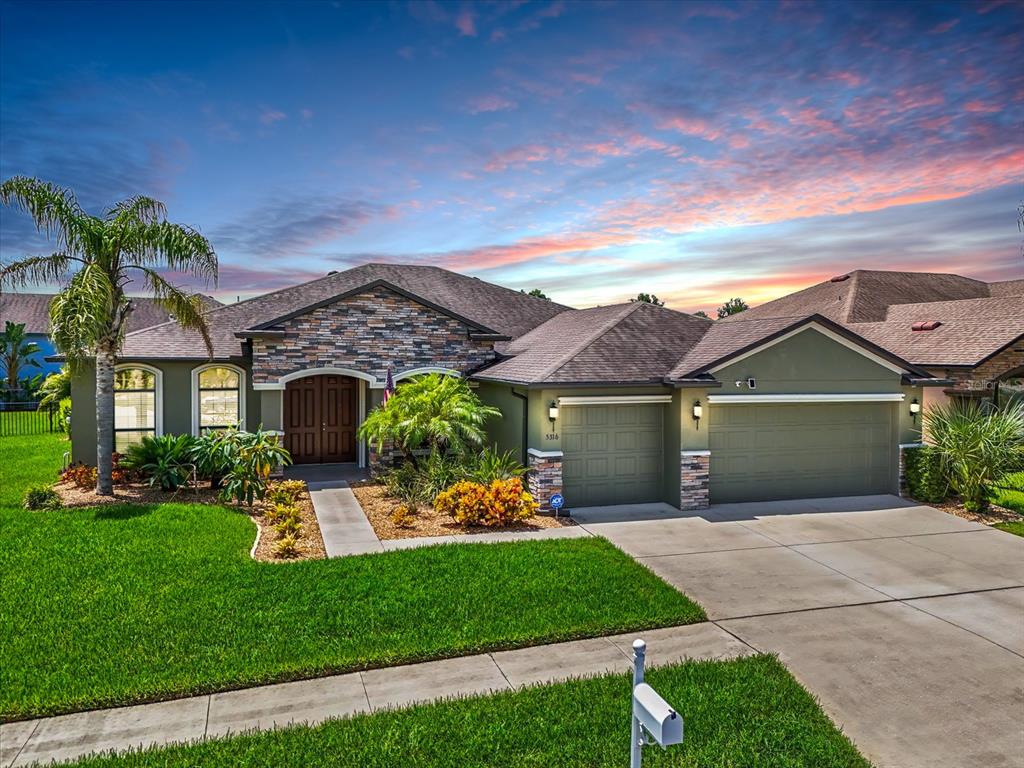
544 478
694 479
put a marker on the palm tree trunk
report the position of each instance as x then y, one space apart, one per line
105 361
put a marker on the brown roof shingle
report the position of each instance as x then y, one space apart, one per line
33 309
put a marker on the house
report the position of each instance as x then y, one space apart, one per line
810 395
33 311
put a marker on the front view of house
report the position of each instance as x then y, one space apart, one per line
811 395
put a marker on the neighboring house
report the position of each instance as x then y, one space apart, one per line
33 310
807 396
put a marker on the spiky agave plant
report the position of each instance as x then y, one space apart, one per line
979 443
95 258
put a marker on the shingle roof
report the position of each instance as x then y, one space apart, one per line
33 309
725 339
502 310
635 342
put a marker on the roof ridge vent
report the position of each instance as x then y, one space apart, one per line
839 278
926 325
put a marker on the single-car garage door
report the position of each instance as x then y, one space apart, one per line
612 454
792 451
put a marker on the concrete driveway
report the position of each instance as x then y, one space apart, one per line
906 622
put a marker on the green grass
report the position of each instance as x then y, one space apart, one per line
25 461
112 605
748 712
1012 496
1015 527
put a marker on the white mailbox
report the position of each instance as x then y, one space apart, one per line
656 717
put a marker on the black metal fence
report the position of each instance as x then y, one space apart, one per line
27 419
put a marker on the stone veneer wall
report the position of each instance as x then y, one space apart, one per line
369 332
982 377
545 477
694 479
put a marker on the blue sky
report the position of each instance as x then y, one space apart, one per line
697 151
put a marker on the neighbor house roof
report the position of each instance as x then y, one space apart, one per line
33 310
501 310
634 343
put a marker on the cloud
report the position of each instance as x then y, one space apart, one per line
271 116
294 226
465 22
490 103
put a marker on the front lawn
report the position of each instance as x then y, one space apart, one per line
26 461
111 605
748 712
1011 494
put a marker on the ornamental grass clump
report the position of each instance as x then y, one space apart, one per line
979 443
501 503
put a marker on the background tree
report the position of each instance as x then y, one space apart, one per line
649 298
732 307
16 352
96 258
701 313
538 293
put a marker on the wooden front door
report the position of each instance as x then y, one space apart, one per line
320 419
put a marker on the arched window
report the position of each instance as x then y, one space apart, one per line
136 405
218 398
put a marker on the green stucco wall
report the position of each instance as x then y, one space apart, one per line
176 404
504 433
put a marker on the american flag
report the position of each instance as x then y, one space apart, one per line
389 388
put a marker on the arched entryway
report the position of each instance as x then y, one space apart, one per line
320 419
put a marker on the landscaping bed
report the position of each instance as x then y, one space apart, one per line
745 712
380 510
993 515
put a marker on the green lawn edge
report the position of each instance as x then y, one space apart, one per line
747 711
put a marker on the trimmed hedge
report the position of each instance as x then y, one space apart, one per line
926 480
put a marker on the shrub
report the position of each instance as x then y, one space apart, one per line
501 503
42 497
926 480
281 511
286 547
213 453
254 456
403 516
979 444
289 526
80 475
404 483
165 460
64 415
285 492
438 472
489 465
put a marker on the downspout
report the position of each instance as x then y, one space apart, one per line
526 410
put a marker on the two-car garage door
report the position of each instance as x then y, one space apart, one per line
791 451
612 454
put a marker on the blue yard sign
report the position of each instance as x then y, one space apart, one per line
556 501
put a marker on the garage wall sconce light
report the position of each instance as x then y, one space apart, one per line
698 412
915 408
553 411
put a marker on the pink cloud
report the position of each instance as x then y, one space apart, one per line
944 27
490 103
271 116
465 22
518 157
981 107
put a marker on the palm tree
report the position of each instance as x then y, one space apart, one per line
96 258
16 351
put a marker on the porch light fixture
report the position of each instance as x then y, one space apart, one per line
915 408
698 412
553 411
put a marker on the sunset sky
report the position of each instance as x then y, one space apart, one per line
696 151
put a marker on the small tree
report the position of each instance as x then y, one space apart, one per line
732 307
436 411
979 444
538 293
16 352
649 298
701 313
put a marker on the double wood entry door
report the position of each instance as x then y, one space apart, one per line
320 419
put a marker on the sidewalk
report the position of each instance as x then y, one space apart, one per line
68 737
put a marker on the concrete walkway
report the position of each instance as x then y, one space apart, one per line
907 623
312 701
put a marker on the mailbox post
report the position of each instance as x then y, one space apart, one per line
652 716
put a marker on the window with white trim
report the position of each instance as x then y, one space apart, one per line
219 396
135 404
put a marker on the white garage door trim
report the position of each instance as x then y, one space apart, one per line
870 397
615 400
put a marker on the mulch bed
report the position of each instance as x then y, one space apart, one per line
310 544
379 507
994 514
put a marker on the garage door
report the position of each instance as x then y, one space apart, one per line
762 452
612 454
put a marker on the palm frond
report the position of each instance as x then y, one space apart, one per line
187 308
36 269
84 313
177 247
54 210
137 209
